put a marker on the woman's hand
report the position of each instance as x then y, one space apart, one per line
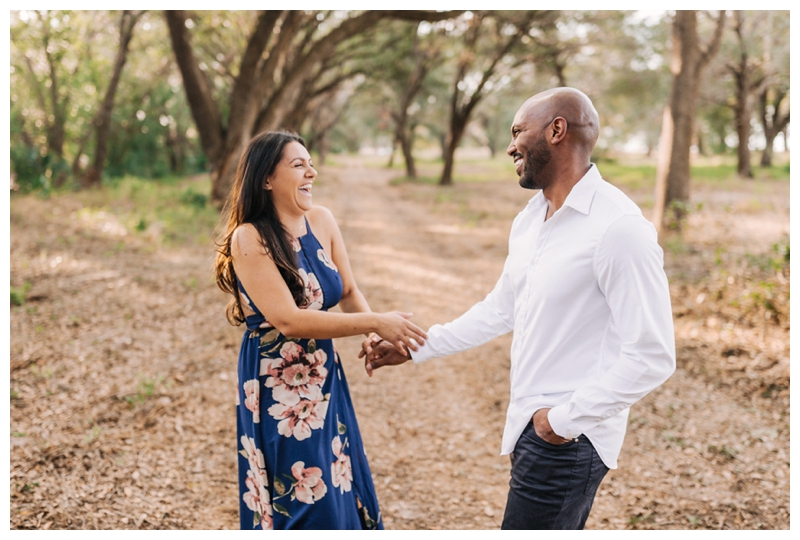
395 328
379 353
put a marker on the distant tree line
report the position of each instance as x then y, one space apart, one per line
101 94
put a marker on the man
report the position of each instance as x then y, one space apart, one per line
584 290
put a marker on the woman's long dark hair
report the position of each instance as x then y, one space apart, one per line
250 202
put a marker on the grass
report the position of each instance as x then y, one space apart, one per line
144 391
19 294
173 210
176 210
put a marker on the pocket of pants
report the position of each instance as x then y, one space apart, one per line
530 433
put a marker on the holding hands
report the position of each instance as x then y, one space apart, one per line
398 331
378 353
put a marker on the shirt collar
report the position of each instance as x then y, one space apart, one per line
582 193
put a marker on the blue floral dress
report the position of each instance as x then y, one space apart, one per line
302 463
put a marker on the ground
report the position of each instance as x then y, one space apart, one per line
123 366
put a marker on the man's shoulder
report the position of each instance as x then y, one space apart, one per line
611 202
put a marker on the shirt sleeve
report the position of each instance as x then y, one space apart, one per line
486 320
629 265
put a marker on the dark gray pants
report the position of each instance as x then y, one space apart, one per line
552 486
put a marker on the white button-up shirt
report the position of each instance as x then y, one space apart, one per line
588 300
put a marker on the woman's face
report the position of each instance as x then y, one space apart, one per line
292 180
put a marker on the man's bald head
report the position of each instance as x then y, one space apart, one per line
583 123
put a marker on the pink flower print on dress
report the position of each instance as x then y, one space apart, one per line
296 374
296 244
310 486
257 500
251 391
254 457
298 420
322 256
257 497
314 297
341 469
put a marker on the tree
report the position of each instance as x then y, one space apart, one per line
39 38
281 49
102 121
750 78
409 54
773 103
488 39
774 118
688 60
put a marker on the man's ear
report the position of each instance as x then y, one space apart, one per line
558 130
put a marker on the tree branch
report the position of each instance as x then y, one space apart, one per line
713 46
245 83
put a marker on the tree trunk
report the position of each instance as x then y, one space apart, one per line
743 114
390 163
94 174
766 155
423 62
55 128
701 145
323 148
204 109
54 116
772 124
454 137
406 146
687 62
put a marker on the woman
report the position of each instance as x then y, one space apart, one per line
302 463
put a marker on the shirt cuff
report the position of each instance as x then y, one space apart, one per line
423 354
561 423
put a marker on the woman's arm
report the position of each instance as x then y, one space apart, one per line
261 278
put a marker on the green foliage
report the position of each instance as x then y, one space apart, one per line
144 391
724 451
61 61
41 373
92 434
193 198
60 67
18 294
172 210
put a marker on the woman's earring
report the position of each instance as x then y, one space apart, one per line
268 187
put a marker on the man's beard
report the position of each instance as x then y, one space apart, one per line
534 162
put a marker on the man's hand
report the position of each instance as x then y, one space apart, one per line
378 353
542 427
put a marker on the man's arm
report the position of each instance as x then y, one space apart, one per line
490 318
486 320
629 265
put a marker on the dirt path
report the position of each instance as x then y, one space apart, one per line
123 377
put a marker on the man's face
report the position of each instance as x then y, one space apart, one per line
529 149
